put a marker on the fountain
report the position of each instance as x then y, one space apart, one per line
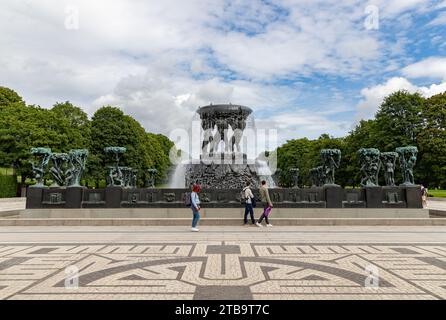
222 163
222 167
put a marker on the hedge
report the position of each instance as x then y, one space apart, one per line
8 186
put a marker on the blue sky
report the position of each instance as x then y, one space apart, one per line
305 67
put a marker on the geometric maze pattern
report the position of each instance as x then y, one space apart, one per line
223 270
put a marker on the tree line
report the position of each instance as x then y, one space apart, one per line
66 126
402 119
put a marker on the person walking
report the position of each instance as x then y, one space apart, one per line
267 205
248 195
195 206
424 194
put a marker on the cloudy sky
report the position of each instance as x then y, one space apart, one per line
306 67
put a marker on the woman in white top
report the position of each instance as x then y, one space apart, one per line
248 203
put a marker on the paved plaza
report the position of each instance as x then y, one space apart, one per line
223 263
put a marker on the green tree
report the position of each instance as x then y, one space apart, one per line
305 154
364 135
9 96
399 120
111 127
21 128
72 124
431 168
159 153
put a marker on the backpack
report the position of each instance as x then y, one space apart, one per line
242 197
187 199
253 202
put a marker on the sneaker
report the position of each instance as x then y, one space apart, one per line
269 225
259 225
194 229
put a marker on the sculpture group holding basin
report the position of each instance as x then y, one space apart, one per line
222 165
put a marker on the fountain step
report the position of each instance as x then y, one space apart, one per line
223 222
221 213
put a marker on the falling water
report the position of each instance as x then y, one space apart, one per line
263 170
264 173
178 179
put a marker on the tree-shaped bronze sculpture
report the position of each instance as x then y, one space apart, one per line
151 179
78 160
41 158
408 159
317 176
295 177
115 176
134 179
370 165
59 169
388 160
331 159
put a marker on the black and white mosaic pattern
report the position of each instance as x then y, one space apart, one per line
223 270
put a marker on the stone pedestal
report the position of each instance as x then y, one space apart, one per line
334 195
373 196
34 198
222 176
113 197
413 196
73 197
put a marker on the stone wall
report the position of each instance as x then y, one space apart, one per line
315 197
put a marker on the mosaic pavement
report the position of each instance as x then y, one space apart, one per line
222 270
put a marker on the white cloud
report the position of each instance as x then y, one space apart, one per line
439 20
432 67
302 124
432 90
160 60
441 5
255 39
373 96
161 102
390 8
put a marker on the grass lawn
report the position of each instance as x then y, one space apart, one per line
6 171
437 193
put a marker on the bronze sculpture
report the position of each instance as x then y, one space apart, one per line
370 166
41 158
115 174
408 159
59 170
389 162
331 159
151 180
295 177
78 160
